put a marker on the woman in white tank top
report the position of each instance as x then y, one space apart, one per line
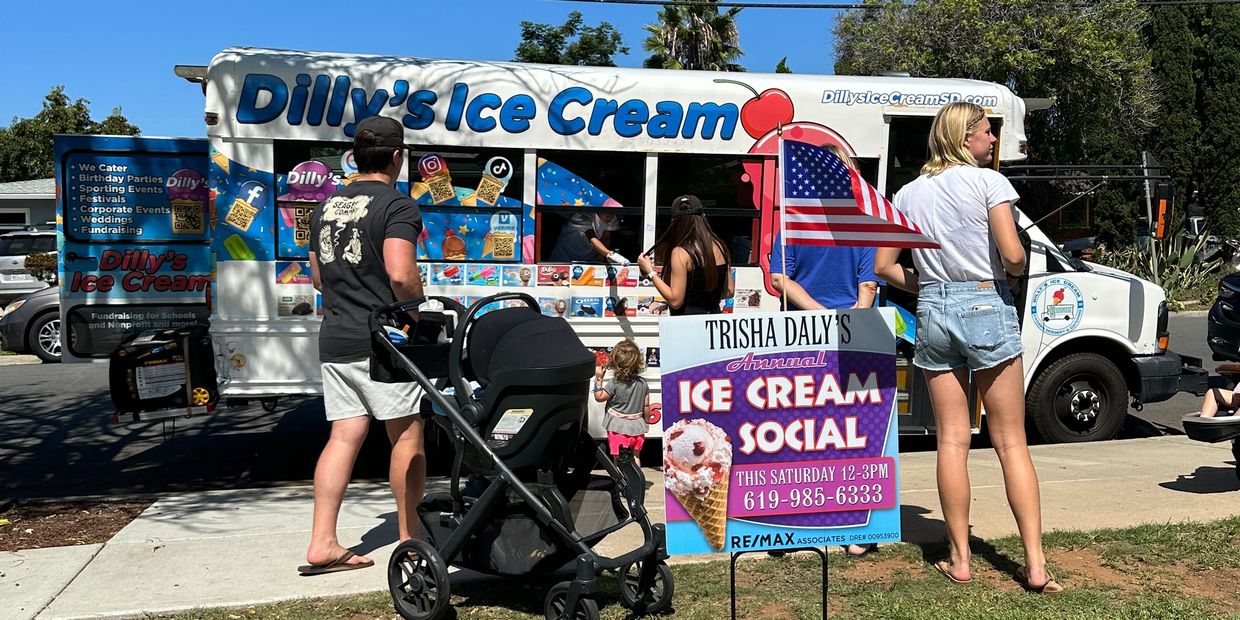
967 321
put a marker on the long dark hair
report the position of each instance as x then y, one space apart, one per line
691 231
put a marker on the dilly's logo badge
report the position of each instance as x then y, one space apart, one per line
1057 306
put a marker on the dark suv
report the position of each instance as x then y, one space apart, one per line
1223 324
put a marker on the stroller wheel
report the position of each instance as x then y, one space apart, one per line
657 600
418 581
557 600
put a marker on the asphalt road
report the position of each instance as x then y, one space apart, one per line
57 437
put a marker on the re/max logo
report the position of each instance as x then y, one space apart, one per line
319 99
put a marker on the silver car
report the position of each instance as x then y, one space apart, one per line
14 246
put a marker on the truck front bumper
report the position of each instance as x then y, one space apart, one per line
1162 376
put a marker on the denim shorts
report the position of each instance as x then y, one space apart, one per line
970 324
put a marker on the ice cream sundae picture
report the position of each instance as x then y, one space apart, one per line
697 464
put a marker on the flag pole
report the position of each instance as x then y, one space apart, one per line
783 215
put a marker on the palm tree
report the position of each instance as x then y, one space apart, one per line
694 37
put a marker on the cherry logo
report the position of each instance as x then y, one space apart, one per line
765 111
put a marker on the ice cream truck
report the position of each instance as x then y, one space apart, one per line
514 164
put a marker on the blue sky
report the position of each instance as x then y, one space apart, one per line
121 53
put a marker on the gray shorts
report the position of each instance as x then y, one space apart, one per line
349 392
970 324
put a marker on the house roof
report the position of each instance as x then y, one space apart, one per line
37 188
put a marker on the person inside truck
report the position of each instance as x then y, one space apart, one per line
967 325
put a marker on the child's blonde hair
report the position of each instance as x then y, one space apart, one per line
626 360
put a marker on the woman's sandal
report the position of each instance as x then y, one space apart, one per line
1049 587
945 568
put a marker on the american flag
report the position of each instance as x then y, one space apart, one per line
828 203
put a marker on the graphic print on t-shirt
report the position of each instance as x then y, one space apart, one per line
340 213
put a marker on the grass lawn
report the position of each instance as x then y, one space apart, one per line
1155 572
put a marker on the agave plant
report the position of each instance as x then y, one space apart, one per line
1173 265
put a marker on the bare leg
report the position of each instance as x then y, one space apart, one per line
331 478
1003 394
407 471
954 433
1215 398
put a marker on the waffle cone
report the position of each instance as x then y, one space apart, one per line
711 514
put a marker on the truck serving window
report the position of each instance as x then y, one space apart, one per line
583 195
726 189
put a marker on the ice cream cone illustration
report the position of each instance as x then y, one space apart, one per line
220 160
697 464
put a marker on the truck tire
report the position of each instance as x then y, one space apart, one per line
1080 397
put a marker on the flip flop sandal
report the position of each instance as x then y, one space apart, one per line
1050 587
942 566
338 565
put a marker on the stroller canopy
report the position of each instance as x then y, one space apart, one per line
522 339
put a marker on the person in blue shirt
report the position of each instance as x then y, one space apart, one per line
815 277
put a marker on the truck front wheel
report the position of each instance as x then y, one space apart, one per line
1081 397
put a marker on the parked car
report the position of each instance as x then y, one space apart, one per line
14 247
1223 323
31 324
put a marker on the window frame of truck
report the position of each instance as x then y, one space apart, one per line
859 111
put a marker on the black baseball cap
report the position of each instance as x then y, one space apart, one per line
388 132
687 205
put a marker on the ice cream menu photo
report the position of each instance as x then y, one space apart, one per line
779 430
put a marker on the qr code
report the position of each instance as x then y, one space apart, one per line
241 215
301 225
505 246
488 190
187 217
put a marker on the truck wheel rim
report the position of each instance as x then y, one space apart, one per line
49 337
1079 404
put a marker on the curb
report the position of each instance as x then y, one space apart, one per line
18 360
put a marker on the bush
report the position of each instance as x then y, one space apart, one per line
1182 276
42 265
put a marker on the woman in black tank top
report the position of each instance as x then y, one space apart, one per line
696 265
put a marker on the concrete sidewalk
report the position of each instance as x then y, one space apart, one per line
240 548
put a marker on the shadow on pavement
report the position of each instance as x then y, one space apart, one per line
57 439
1206 480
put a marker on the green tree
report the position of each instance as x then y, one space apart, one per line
782 66
594 46
1219 165
694 36
26 144
1174 45
1090 58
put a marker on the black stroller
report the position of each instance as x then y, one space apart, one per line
523 498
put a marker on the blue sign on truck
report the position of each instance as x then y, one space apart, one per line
134 238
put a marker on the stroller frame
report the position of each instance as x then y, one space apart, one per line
417 567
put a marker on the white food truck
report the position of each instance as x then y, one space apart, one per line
526 152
